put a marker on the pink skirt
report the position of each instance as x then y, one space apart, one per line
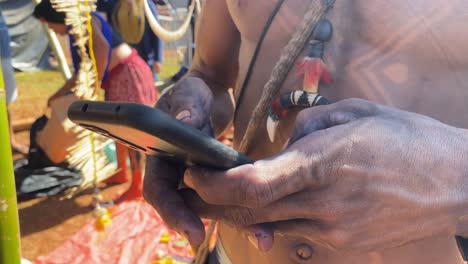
131 81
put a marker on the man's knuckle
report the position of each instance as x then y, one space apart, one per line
244 189
258 189
252 198
208 196
241 216
263 194
241 191
202 188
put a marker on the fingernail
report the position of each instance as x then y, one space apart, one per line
264 242
183 114
253 240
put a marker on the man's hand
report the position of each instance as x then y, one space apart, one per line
189 101
356 176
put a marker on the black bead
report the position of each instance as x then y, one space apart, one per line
322 101
323 30
316 49
285 100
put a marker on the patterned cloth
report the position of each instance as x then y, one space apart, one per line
131 81
137 235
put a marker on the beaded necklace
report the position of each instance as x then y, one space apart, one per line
315 31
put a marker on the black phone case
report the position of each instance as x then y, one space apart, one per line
154 132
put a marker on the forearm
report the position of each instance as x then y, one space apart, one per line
101 48
67 87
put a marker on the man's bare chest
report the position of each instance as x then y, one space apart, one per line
395 52
378 23
250 17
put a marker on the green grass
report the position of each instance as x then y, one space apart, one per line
33 90
38 85
170 67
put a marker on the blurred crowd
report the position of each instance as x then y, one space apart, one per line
129 60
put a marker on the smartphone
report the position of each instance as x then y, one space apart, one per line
154 132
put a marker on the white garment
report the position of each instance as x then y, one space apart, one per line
9 80
220 253
25 261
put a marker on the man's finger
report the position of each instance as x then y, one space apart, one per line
191 103
319 118
162 194
260 235
254 185
303 165
298 223
291 207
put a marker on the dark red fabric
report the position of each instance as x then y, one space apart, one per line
133 237
131 81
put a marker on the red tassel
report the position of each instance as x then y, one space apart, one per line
314 71
277 109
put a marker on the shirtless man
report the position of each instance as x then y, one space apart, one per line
358 182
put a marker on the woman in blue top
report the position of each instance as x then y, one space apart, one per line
150 47
123 74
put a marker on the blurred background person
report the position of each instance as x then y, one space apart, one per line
123 75
130 26
9 81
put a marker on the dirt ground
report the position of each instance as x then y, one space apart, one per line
48 222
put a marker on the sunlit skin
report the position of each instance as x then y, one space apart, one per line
371 184
60 29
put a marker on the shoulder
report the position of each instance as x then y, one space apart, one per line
98 21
